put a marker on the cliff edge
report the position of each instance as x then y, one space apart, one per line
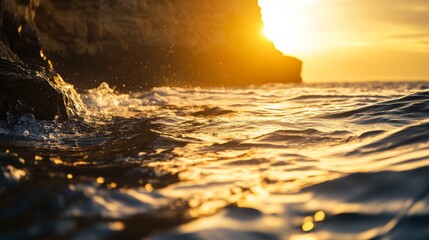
145 43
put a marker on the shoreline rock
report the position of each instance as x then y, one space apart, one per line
32 89
140 44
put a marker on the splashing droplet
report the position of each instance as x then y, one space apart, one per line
100 180
319 216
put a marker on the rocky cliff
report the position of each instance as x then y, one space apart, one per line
145 43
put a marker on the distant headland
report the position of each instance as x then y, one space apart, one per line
134 44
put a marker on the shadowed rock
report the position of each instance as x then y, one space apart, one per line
146 43
35 90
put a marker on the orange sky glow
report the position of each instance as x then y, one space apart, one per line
352 40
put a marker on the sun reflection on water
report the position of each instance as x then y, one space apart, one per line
277 169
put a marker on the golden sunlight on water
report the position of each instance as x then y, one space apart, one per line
312 161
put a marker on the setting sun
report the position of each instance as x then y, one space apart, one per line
350 40
289 24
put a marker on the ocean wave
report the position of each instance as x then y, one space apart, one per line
401 110
416 134
345 161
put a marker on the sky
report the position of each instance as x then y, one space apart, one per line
352 40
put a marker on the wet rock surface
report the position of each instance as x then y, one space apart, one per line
32 89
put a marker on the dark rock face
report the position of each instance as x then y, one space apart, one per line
8 55
146 43
34 90
17 31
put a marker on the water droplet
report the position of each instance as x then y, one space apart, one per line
117 226
307 226
319 216
149 187
100 180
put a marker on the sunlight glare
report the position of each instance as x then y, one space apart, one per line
289 24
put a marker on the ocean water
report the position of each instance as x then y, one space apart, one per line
310 161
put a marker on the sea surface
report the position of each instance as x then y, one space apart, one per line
310 161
